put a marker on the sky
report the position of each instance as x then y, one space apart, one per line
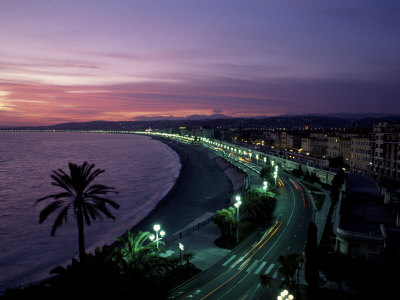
74 61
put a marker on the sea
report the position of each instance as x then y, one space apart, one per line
141 169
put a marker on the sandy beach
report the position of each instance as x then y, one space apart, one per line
201 187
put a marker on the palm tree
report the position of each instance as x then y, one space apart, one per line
85 200
133 243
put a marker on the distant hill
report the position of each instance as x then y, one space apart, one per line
191 117
359 116
225 122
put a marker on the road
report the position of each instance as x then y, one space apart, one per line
237 275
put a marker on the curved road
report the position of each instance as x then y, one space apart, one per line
237 275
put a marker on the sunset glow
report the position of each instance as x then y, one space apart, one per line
119 60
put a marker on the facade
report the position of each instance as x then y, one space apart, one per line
345 150
333 147
306 144
386 150
318 147
360 160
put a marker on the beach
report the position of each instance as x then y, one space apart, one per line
202 187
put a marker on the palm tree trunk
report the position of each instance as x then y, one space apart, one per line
81 238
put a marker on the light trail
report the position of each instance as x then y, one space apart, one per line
247 260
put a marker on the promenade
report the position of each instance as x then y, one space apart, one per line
201 241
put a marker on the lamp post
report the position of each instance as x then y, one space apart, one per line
237 205
181 248
265 186
285 296
156 238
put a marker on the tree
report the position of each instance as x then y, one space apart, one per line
251 204
133 243
225 219
79 195
311 252
266 173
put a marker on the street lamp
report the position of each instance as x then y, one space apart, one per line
272 163
285 296
265 186
237 205
156 238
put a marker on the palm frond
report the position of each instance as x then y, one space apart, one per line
62 217
48 210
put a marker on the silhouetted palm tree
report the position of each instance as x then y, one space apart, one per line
85 200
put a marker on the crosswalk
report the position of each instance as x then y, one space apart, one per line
252 266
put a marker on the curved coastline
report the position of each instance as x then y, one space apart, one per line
201 187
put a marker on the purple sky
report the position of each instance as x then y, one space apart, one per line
64 61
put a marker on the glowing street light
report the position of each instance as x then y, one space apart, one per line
265 159
237 205
265 186
156 238
272 163
285 296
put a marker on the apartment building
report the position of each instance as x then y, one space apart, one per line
333 147
386 150
345 150
360 158
306 144
318 147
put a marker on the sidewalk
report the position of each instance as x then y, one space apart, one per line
201 244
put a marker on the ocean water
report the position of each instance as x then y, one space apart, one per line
141 169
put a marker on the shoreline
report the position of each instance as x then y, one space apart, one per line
195 192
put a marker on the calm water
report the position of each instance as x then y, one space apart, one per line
142 170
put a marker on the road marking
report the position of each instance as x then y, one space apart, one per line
244 264
271 266
260 267
275 274
228 261
288 247
252 266
236 262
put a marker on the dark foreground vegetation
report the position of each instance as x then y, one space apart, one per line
129 269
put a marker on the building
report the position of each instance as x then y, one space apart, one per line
360 159
362 220
333 147
318 147
386 151
306 144
345 150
